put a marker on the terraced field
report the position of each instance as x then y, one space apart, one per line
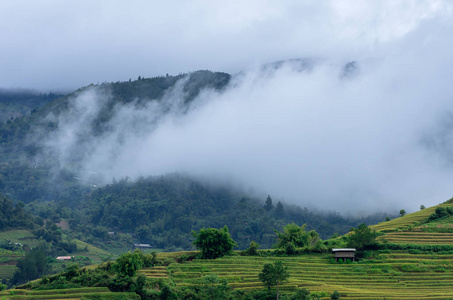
398 275
413 229
79 293
418 238
8 261
407 220
155 272
6 271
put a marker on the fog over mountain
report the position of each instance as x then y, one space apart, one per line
356 117
373 134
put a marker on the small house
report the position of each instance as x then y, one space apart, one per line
64 257
142 246
344 253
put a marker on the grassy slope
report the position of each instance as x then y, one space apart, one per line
410 228
8 259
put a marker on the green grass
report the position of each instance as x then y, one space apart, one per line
95 254
22 236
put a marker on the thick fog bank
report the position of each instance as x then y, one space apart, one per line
375 134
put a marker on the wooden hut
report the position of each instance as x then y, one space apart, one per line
344 253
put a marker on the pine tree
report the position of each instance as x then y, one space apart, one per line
268 206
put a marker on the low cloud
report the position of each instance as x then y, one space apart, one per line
375 135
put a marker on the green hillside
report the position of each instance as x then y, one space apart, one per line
408 220
415 270
418 229
414 273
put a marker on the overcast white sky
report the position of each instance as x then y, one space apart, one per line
53 44
378 140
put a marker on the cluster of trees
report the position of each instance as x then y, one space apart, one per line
441 212
16 103
13 215
163 210
294 236
33 265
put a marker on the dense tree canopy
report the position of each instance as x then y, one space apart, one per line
362 237
213 242
292 234
13 215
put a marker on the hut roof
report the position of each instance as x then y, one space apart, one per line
343 250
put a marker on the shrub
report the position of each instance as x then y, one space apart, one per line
301 294
252 249
335 295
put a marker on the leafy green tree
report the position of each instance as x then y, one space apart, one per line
402 212
268 206
129 263
292 234
213 242
362 237
274 275
422 207
313 240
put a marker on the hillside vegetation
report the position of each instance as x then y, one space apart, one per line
388 269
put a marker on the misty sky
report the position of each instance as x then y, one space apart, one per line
52 44
379 138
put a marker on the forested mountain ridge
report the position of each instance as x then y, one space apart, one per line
18 102
17 136
163 210
157 210
28 171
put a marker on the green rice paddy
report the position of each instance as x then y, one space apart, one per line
77 293
395 275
